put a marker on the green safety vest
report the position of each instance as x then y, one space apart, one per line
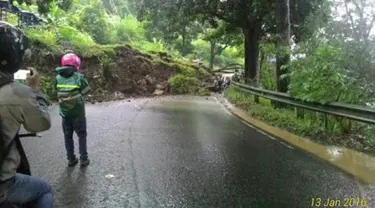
70 88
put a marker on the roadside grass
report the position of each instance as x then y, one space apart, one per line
323 129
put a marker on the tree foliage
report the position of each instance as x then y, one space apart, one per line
267 68
93 21
117 7
283 27
44 5
255 18
340 61
319 78
168 20
220 38
64 4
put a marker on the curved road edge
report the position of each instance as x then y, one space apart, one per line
357 164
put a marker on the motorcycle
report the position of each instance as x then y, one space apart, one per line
224 84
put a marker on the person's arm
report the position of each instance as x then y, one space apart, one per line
32 109
84 85
34 106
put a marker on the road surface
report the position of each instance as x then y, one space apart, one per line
183 152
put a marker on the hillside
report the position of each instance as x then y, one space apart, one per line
116 72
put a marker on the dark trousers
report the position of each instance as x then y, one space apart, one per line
70 126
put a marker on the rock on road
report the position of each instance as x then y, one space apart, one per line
183 152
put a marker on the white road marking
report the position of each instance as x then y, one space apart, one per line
217 100
290 147
273 138
249 125
287 145
222 106
264 133
227 111
227 102
137 106
109 176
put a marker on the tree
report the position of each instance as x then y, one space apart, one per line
64 4
283 46
185 33
93 21
43 5
221 38
352 34
267 73
117 7
167 19
357 20
254 18
339 65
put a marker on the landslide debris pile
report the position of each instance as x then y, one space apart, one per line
121 71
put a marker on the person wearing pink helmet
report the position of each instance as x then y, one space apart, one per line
71 86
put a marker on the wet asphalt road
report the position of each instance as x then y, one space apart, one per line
183 152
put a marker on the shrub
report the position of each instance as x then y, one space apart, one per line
75 36
186 71
181 84
47 87
320 78
156 45
44 37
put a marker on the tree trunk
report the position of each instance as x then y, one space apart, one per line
212 54
262 56
283 46
252 38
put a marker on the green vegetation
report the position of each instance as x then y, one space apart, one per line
327 130
182 84
82 25
338 65
47 87
338 51
334 37
96 29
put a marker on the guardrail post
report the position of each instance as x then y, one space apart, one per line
256 98
300 113
252 83
325 121
279 104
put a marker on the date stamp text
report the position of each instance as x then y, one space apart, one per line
346 202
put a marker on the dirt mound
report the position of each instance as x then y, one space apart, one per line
122 71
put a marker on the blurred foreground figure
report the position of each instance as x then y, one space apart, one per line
19 105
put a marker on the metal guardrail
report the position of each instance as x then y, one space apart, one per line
231 68
355 112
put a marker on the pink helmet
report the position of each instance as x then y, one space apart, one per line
71 59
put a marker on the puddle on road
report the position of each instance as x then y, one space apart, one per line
361 165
